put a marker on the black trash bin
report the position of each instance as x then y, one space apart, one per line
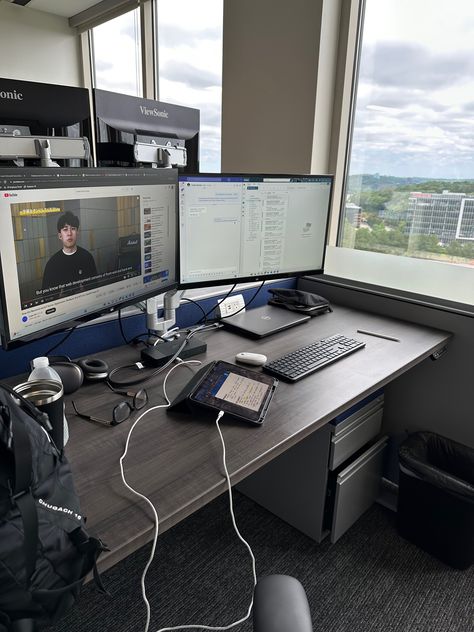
436 497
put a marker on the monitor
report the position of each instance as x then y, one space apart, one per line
132 131
33 114
76 243
239 228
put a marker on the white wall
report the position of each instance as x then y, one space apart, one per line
270 69
38 46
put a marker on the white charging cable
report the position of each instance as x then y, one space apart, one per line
254 572
142 496
157 522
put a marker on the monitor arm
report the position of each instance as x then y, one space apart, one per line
17 144
171 302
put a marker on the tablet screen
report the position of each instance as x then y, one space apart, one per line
239 391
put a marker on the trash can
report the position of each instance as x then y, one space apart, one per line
436 497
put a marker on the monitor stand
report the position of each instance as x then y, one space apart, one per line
263 321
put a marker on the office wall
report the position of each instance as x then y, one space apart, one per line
271 61
434 395
38 46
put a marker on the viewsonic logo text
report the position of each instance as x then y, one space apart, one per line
153 112
11 95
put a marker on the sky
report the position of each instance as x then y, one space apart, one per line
415 103
415 100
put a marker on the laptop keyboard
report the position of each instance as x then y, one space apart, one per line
298 364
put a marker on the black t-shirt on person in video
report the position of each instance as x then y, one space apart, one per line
62 268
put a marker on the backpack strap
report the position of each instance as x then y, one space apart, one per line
21 494
91 548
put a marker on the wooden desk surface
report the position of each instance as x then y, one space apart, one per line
176 460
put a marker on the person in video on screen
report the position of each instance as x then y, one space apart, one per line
71 263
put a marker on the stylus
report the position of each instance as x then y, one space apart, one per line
373 333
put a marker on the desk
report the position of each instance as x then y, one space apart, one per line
175 459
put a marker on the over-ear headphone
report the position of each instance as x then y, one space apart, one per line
71 375
94 369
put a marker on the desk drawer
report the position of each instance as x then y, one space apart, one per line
355 431
355 488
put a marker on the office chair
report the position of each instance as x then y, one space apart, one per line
280 605
22 625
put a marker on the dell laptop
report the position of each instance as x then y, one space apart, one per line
263 321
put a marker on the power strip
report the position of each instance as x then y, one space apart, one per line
230 306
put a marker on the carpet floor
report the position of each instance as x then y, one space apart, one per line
370 580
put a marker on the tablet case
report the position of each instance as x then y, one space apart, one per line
184 404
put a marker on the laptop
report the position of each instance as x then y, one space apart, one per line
263 321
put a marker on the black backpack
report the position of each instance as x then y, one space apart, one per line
45 552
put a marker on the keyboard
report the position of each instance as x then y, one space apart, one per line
298 364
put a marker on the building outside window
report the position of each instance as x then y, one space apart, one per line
409 188
116 52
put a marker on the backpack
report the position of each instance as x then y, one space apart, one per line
45 551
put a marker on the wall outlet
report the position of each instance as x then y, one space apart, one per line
231 305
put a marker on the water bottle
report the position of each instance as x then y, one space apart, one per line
43 371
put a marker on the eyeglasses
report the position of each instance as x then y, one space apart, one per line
121 411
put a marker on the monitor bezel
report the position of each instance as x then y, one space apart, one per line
188 285
7 342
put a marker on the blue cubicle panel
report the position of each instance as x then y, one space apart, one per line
94 338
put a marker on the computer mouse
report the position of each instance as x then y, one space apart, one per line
255 359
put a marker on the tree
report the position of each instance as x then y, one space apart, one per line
429 243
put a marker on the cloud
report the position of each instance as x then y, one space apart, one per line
188 74
391 97
170 34
128 29
103 66
414 112
467 107
409 65
210 114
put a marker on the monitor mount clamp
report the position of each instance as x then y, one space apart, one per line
161 326
168 342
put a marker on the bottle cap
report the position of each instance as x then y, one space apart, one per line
40 362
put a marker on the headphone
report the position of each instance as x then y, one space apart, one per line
94 369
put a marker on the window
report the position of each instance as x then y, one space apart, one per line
409 192
116 47
190 66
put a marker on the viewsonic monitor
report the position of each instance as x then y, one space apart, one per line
133 132
76 243
239 228
33 114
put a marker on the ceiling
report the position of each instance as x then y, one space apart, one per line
66 9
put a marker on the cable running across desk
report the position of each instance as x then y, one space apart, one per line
157 522
298 364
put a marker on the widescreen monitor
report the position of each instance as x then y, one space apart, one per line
239 228
75 243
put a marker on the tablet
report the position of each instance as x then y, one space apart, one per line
240 392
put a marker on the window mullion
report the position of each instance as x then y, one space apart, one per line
350 26
148 50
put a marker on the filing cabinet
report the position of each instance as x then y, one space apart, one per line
326 482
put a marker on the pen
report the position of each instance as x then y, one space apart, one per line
373 333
